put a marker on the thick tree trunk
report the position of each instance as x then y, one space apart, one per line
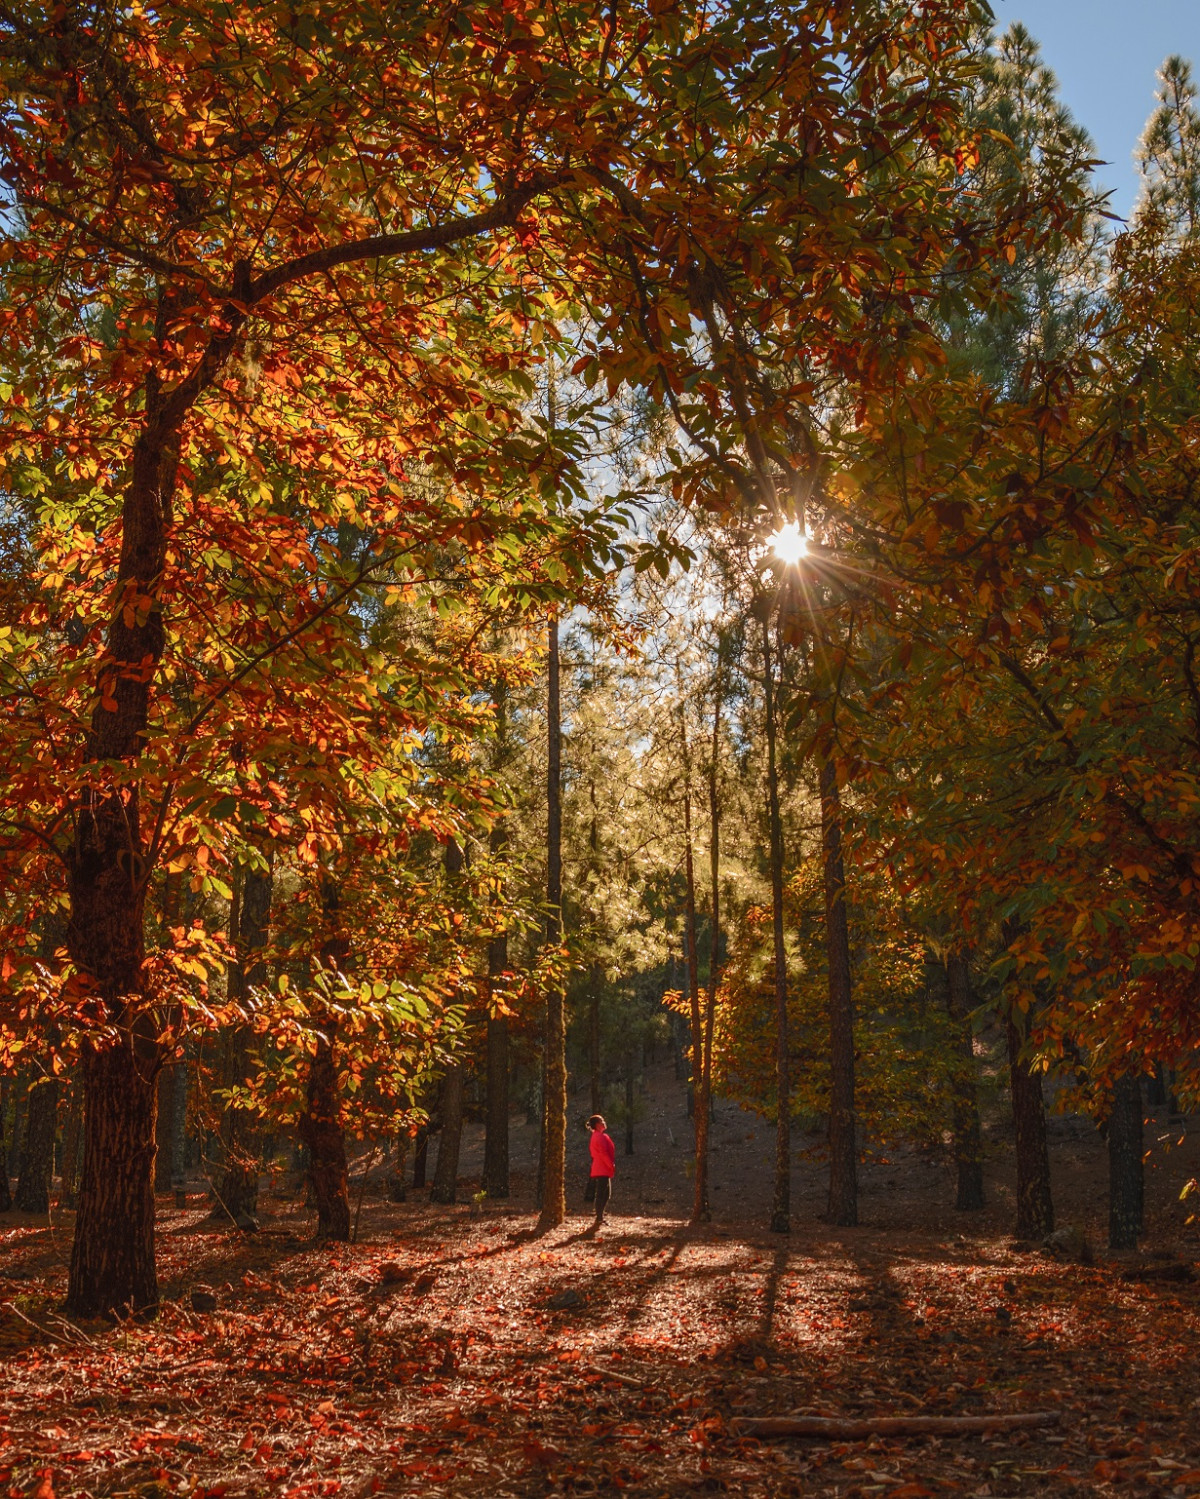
781 1203
964 1094
5 1191
842 1209
1126 1183
1035 1207
37 1153
321 1130
112 1259
554 1155
445 1175
240 1135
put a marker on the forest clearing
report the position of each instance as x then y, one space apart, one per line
445 1353
599 754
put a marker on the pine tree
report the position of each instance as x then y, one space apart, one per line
1169 155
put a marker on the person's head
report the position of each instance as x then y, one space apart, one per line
596 1122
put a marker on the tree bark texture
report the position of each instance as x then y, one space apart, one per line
321 1130
1126 1180
964 1091
112 1259
781 1203
240 1137
5 1190
629 1103
37 1153
445 1174
554 1108
1035 1207
842 1208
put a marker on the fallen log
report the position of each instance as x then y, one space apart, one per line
853 1429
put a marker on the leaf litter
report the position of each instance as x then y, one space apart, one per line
450 1356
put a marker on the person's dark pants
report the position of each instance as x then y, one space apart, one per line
603 1185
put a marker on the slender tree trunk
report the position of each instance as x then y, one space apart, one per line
701 1211
37 1153
781 1204
445 1175
1126 1182
594 1039
179 1098
495 1144
699 1110
162 1131
72 1142
320 1123
1035 1207
629 1103
397 1186
321 1130
843 1145
554 1156
964 1099
421 1157
238 1189
5 1191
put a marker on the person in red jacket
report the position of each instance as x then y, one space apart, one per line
604 1164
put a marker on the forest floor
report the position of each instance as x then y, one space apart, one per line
445 1354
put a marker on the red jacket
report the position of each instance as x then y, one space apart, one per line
604 1153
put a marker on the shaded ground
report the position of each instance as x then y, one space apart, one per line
446 1355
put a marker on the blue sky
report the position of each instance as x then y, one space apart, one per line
1105 54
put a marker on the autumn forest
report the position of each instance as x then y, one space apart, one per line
632 561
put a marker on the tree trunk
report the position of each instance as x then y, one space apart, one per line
241 1138
112 1257
701 1212
781 1204
495 1143
1035 1207
72 1147
37 1152
842 1209
699 1110
964 1099
162 1131
421 1157
629 1103
179 1138
5 1191
594 1039
321 1130
554 1155
445 1175
1126 1183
